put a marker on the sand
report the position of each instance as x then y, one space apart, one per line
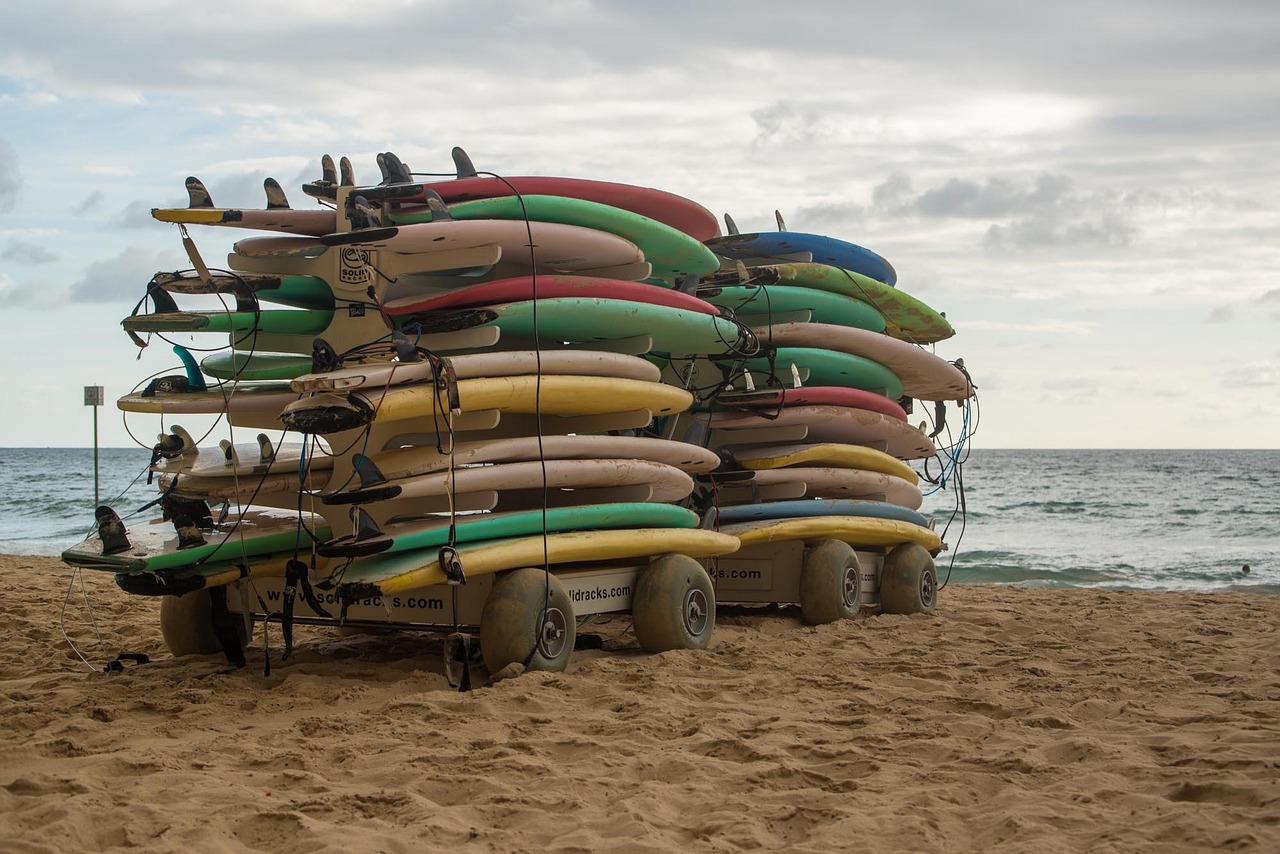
1010 720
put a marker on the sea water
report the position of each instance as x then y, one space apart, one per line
1160 520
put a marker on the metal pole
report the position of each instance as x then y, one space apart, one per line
93 397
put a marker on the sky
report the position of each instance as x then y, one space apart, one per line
1088 190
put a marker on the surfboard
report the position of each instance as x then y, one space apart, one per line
829 482
774 510
854 530
824 454
550 395
424 459
760 305
825 250
544 246
219 487
676 211
297 291
254 366
266 321
305 222
409 570
905 316
672 253
379 374
232 398
924 375
289 246
834 424
775 398
829 368
154 545
436 531
550 286
668 482
583 320
244 459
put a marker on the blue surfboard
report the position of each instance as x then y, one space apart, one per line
800 508
766 245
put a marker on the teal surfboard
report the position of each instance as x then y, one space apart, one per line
672 253
584 320
256 366
760 305
829 367
520 523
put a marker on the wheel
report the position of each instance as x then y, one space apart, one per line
830 583
908 581
527 619
186 623
674 605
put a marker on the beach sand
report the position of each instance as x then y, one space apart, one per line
1010 720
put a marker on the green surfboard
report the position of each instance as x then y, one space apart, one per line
672 253
829 367
523 523
583 320
255 366
906 317
759 305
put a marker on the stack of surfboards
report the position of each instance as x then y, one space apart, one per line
458 370
816 422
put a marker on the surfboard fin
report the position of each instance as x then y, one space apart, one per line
730 226
188 515
439 210
348 173
266 453
326 187
363 525
689 284
462 163
362 214
777 215
276 199
111 531
229 453
395 170
323 357
197 195
367 471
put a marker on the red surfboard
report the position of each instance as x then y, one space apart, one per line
676 211
814 396
522 288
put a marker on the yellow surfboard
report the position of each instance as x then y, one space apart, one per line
395 573
551 395
831 454
854 530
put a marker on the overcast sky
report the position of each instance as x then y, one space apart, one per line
1088 190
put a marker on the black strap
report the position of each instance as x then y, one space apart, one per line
226 627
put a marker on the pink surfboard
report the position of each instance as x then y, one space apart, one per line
772 399
555 246
834 424
549 286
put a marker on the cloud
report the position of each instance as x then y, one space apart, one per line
1270 296
1222 314
10 177
123 277
136 214
90 203
1256 375
26 252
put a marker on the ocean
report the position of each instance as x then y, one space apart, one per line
1152 520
